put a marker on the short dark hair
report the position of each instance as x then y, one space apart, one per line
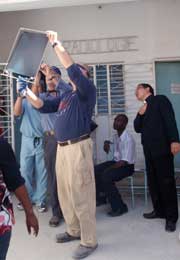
124 116
56 70
145 85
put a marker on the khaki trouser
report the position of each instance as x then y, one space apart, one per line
76 190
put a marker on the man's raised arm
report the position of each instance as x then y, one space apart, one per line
62 54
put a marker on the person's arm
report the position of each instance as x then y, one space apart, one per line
168 116
50 106
46 106
107 146
15 183
62 54
31 220
34 100
36 84
18 107
138 121
22 92
83 84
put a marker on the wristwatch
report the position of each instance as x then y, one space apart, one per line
55 44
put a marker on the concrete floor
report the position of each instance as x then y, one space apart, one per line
129 237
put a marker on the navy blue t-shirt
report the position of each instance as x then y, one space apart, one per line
74 108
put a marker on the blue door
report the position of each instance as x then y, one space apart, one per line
168 83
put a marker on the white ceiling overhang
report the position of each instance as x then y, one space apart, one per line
15 5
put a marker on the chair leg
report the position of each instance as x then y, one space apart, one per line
132 191
145 188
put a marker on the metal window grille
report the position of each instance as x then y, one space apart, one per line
6 108
108 79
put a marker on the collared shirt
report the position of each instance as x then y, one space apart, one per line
48 119
10 179
124 148
74 108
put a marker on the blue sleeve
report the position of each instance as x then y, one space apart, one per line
24 104
50 106
84 86
9 167
42 96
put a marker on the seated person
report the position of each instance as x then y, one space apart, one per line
122 166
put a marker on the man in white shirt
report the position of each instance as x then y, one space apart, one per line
122 166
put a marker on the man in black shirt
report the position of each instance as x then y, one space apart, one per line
160 139
10 179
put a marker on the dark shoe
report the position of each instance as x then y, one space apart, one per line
170 226
65 237
118 212
100 202
54 221
83 251
152 215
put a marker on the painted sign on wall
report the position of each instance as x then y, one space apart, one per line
102 45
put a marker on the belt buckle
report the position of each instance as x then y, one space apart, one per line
69 141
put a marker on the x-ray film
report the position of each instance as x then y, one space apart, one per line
27 52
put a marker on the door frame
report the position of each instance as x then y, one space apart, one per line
168 59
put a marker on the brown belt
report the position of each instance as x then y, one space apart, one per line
73 141
49 133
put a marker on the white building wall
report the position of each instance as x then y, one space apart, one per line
133 75
155 23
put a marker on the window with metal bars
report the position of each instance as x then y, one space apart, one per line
108 79
5 107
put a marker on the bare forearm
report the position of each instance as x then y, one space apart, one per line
18 106
62 54
64 57
35 101
22 195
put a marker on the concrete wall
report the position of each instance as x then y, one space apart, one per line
155 23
